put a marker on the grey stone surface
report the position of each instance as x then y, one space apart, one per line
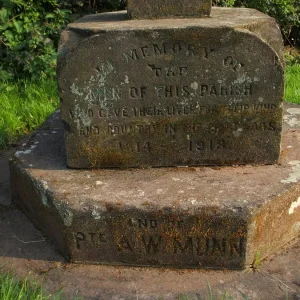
179 217
172 92
4 181
154 9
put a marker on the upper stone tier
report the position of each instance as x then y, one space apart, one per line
160 9
172 92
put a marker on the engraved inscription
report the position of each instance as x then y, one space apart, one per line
139 146
175 102
173 110
209 246
89 131
221 90
165 49
95 239
196 90
169 72
154 223
137 93
206 145
152 244
230 62
164 236
158 244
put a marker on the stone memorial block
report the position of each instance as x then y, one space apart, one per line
172 92
154 9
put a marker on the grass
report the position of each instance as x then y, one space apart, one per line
292 87
23 107
14 289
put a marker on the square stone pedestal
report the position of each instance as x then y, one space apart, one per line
172 92
184 217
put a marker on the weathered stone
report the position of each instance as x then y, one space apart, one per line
155 9
180 217
172 92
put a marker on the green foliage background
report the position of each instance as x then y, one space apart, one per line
29 34
30 30
286 12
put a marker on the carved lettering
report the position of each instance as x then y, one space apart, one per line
172 91
79 238
167 111
125 245
237 247
154 223
191 50
137 93
264 106
265 126
218 246
221 90
171 129
229 61
209 246
95 239
175 224
89 131
206 145
143 223
169 71
155 69
135 147
158 50
213 128
146 129
123 129
145 51
103 94
208 52
238 108
147 111
157 243
147 223
186 247
177 48
131 56
152 244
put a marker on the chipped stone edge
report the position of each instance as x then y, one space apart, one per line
42 189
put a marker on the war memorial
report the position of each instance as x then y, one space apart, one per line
169 148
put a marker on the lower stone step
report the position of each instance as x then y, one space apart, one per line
205 217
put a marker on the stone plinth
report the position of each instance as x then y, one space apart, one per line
172 92
158 9
177 217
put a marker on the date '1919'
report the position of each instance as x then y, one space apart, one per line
206 145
